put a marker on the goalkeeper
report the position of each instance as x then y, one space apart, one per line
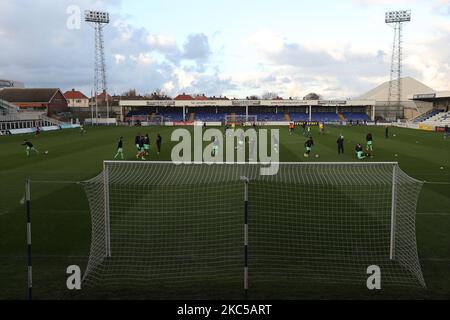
30 147
309 144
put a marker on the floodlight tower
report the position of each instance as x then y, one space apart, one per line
396 19
99 20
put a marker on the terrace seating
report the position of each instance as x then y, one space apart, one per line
356 116
137 116
269 116
299 116
318 116
206 116
440 119
172 116
427 115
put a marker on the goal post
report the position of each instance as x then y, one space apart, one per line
106 209
240 120
146 120
393 210
167 226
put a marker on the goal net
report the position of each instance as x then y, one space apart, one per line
179 229
146 120
241 120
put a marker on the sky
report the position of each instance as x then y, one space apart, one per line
234 48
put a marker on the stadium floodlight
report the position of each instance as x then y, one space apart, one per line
96 17
162 225
99 20
398 16
396 19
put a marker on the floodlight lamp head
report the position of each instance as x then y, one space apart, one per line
398 16
96 17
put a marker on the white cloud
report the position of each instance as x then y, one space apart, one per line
119 58
266 41
161 41
185 79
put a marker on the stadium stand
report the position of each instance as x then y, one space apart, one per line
299 116
427 115
358 116
268 116
219 116
171 116
440 119
208 116
318 116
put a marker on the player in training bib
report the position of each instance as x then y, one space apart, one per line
308 146
30 147
291 128
321 128
119 149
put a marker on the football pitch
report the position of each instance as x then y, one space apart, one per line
62 222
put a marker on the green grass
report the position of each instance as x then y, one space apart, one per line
61 218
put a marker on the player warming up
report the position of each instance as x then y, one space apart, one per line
341 143
137 142
308 145
158 144
360 152
30 147
147 145
276 144
303 128
291 128
141 149
119 149
216 147
322 128
369 146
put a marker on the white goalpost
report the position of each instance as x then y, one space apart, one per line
165 226
150 120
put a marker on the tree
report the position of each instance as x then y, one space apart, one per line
269 96
130 93
158 94
312 96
